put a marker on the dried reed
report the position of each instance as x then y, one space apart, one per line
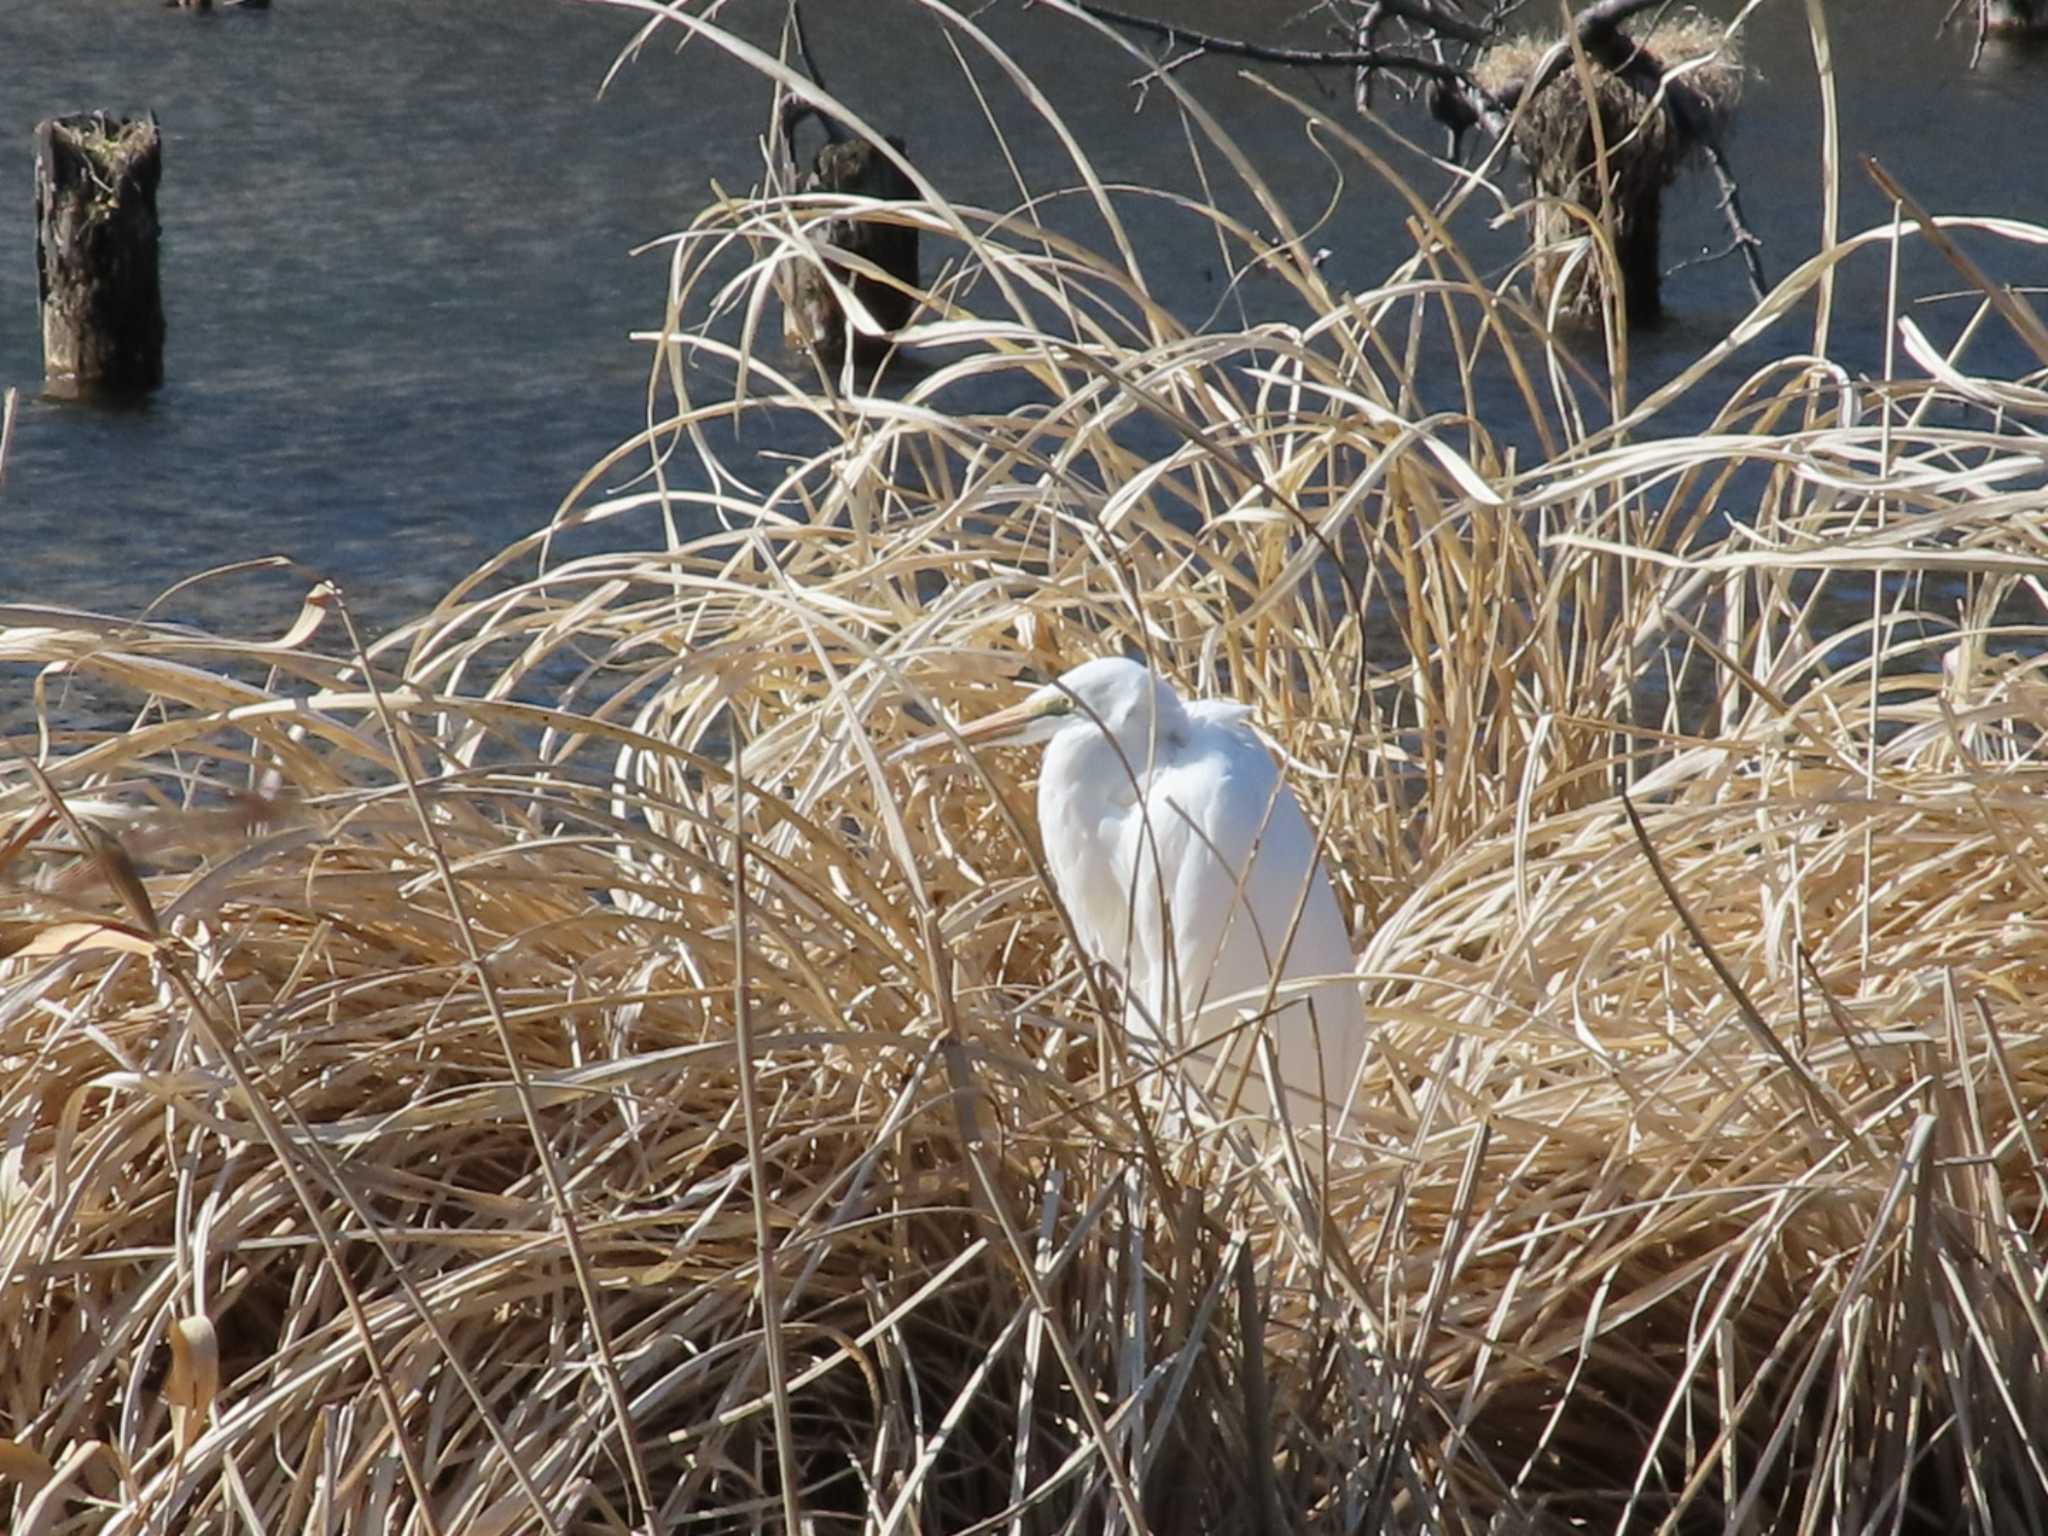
546 1071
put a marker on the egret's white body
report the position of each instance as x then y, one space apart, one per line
1182 859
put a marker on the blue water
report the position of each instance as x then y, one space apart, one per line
398 247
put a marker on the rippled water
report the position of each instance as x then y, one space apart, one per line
398 266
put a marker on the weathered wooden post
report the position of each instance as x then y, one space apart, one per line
858 169
812 316
1641 146
96 253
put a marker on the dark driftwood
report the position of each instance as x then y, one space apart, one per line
858 169
96 253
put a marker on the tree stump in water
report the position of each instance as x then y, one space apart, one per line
1639 150
2016 16
857 169
96 253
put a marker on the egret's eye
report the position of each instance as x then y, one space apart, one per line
1062 705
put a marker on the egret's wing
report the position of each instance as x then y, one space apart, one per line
1238 852
1085 797
1218 712
1202 818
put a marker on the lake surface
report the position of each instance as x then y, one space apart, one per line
398 265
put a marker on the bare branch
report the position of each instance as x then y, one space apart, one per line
1175 35
1741 237
794 111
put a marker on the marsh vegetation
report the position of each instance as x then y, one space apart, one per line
543 1069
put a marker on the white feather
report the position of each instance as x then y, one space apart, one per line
1182 858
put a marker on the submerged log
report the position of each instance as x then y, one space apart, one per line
858 169
96 253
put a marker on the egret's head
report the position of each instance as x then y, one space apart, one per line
1111 694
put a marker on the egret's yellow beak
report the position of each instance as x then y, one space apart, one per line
994 730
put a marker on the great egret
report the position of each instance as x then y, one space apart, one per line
1182 859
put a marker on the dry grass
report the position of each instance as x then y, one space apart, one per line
548 1073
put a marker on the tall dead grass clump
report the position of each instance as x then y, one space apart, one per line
546 1071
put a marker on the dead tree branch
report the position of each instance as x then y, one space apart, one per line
1176 36
795 111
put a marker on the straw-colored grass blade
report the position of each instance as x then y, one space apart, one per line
554 1067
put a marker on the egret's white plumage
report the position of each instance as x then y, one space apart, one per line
1182 859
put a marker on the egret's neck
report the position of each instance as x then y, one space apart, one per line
1095 767
1091 774
1088 785
1081 784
